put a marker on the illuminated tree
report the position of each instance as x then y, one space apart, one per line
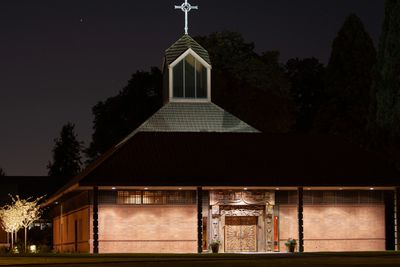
11 219
20 214
30 211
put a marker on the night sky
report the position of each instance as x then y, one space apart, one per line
58 58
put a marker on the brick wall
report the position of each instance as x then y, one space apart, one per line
336 228
64 233
147 229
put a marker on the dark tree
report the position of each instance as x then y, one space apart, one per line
387 73
230 54
384 126
349 78
2 172
67 158
306 77
251 86
118 116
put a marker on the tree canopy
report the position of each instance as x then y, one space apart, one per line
251 86
387 74
306 77
67 157
345 108
231 54
117 116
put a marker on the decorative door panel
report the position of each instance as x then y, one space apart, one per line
241 234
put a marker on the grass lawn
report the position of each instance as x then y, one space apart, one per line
208 260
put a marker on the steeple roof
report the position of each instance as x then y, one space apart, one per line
182 45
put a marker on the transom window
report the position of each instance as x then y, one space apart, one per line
190 79
156 197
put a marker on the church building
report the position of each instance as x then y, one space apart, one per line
193 173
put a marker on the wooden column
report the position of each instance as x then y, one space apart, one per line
95 220
390 231
397 218
199 220
300 218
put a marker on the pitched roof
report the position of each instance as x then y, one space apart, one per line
182 45
193 117
240 159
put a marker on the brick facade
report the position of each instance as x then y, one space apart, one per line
335 228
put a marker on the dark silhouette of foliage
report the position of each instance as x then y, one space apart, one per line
348 81
230 54
384 124
387 72
67 159
2 172
120 115
307 88
253 87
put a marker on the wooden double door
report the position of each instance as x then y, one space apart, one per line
241 234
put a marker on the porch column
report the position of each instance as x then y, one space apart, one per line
95 220
390 230
199 220
300 218
397 218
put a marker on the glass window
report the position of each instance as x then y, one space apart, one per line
190 79
201 81
178 80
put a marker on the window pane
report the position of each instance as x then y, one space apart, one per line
201 80
178 80
190 77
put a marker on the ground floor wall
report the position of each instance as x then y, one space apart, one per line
71 231
242 222
148 229
335 228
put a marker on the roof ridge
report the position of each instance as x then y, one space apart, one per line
182 45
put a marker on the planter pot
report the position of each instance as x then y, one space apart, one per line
291 249
215 248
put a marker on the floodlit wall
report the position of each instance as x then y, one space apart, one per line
358 227
71 231
147 229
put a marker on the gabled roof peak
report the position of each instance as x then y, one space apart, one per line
182 45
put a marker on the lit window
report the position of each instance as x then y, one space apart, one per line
190 79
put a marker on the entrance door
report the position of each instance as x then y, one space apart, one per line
241 234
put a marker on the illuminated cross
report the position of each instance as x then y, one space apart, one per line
186 7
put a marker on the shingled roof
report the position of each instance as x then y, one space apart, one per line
181 46
193 117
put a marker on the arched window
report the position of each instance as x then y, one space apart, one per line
189 79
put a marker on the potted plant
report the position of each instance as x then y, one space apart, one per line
291 244
215 245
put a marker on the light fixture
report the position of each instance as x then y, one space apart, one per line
56 202
113 188
340 189
146 188
245 189
372 188
180 188
277 189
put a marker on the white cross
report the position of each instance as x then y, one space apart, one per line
186 7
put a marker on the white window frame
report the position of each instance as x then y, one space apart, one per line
171 78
